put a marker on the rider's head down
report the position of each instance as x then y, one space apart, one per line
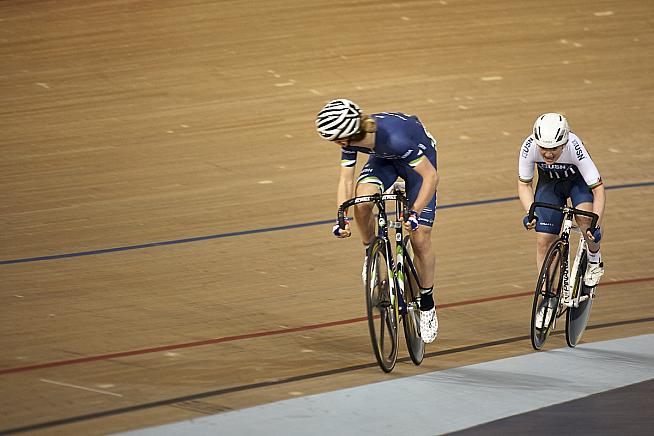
339 119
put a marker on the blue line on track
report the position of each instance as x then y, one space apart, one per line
264 230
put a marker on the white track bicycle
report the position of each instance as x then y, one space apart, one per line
560 288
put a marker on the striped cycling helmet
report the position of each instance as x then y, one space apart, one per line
551 130
339 119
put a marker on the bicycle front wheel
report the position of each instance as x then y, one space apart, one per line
382 311
577 317
411 318
546 297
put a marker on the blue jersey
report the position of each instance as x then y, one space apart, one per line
399 137
401 143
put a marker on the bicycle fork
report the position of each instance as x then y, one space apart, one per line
570 286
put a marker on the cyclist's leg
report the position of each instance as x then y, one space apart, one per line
376 176
582 198
584 223
424 258
549 221
543 243
363 216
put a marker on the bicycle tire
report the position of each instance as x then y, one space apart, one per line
577 317
382 315
547 294
411 319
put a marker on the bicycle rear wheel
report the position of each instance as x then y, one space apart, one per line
411 318
382 315
577 317
546 297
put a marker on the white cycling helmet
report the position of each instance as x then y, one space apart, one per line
339 119
551 130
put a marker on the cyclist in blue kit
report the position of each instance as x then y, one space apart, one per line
398 145
565 170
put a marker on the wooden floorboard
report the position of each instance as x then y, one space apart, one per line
131 123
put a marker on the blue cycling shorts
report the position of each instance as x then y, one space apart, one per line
384 172
557 192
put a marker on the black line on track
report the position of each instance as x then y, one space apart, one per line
283 381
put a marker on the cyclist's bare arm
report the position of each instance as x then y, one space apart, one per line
526 195
345 189
599 200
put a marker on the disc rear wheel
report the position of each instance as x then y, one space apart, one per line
577 317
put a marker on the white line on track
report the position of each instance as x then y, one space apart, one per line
99 391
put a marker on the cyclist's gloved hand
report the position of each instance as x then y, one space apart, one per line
342 233
595 234
411 221
529 224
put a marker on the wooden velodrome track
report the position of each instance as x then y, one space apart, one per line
151 151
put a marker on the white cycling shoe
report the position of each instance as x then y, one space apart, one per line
428 325
594 272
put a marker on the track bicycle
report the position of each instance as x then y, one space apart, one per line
392 283
560 288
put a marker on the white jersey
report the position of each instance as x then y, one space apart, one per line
573 160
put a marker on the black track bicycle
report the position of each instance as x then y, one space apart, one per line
392 284
560 288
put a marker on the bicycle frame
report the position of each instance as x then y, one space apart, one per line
564 236
569 295
578 297
401 296
396 267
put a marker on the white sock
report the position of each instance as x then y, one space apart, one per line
594 257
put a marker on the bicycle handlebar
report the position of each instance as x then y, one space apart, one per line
566 210
378 199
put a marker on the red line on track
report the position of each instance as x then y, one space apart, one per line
268 333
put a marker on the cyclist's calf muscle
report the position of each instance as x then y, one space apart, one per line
425 258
